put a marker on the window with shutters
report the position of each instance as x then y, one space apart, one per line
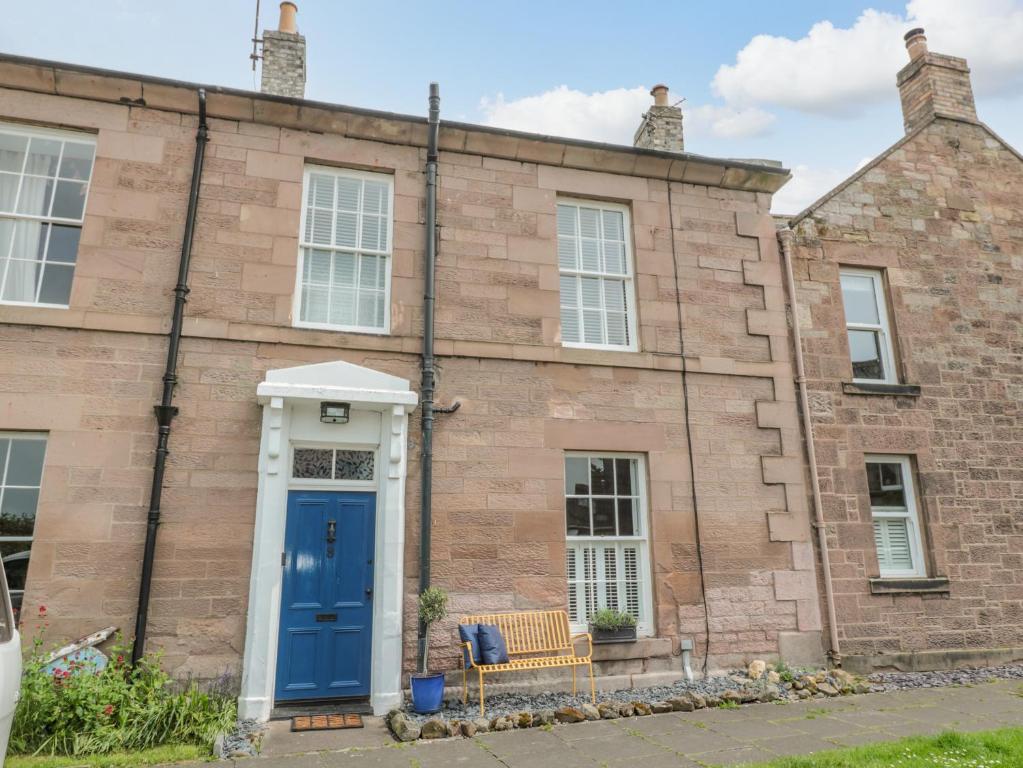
893 507
595 259
44 181
606 552
344 262
866 322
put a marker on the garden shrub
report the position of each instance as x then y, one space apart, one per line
86 710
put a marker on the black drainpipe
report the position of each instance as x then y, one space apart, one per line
426 493
165 411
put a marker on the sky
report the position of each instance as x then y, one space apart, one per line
811 84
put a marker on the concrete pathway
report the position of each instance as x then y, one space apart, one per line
681 739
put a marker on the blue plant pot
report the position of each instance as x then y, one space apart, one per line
427 693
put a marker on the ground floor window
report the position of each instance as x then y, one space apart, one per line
606 537
893 507
21 472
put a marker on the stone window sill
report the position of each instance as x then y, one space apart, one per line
861 388
938 584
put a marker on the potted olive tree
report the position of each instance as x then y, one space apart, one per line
610 626
427 689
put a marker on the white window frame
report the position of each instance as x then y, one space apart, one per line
388 254
882 328
44 438
645 624
910 514
629 278
56 135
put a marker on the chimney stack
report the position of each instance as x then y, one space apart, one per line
933 84
284 57
662 124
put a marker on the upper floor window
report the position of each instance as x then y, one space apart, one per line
896 522
595 258
606 537
44 181
344 264
866 321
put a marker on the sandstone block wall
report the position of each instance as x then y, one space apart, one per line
526 399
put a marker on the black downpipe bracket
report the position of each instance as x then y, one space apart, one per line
429 367
166 411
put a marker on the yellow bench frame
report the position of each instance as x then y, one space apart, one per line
535 640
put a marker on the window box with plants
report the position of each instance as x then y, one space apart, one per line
611 626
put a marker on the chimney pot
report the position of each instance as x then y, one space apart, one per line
284 57
933 85
661 127
916 43
287 22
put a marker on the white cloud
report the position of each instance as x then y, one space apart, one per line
806 186
837 71
726 122
613 116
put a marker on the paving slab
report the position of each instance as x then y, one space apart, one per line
617 747
693 741
279 739
679 739
735 756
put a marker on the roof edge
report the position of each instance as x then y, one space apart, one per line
500 142
856 175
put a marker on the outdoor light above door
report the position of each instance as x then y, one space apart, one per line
334 413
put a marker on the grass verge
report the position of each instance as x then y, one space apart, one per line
1002 748
169 753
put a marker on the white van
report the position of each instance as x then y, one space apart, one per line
10 665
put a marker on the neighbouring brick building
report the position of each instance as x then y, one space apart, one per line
909 280
565 270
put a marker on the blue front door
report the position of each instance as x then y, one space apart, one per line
324 644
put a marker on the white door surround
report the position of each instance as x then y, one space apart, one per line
380 404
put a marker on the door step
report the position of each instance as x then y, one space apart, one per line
288 710
333 722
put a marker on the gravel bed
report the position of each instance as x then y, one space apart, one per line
243 741
499 704
902 681
511 703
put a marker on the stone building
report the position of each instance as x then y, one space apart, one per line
908 283
610 319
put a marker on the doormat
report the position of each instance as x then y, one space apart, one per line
325 722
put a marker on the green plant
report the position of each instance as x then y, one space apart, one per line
85 710
433 607
729 704
785 673
173 753
610 620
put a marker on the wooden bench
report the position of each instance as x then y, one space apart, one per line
535 640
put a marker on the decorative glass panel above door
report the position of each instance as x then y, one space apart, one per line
332 464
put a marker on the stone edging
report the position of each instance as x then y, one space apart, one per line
768 689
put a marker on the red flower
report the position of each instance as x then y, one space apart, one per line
120 658
42 611
108 710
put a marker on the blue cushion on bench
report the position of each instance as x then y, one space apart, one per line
493 649
470 633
